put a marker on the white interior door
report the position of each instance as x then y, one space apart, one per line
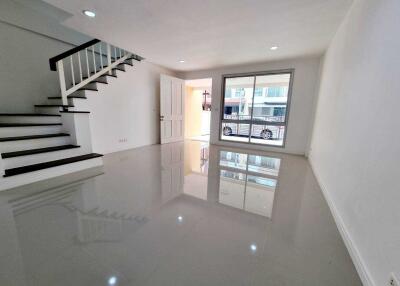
172 103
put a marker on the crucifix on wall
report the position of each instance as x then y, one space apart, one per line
205 106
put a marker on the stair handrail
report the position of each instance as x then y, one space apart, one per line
53 61
114 56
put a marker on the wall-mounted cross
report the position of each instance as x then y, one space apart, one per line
205 93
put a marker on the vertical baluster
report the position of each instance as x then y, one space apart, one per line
94 60
109 56
61 77
80 67
87 63
72 70
115 53
101 56
120 52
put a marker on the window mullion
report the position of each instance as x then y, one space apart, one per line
252 108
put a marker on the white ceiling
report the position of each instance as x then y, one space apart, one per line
210 33
204 82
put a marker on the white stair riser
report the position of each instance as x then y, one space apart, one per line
118 72
91 85
10 146
70 101
81 104
48 110
40 158
122 66
30 119
56 101
129 61
23 179
29 130
79 93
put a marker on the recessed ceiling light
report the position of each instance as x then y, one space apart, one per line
274 48
182 61
88 13
112 280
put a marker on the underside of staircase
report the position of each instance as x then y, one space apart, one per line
37 146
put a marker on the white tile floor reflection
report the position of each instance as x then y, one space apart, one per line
177 214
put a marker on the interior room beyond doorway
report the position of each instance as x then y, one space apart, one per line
198 109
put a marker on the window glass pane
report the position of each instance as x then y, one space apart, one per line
267 134
272 106
238 97
258 91
235 131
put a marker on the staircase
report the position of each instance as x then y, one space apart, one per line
55 139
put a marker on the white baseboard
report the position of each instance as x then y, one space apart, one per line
359 264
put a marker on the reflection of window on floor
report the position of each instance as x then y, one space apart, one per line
248 182
255 108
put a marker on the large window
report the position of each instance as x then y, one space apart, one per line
255 108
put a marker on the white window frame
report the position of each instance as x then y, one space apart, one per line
288 104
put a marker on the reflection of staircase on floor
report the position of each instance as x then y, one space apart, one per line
105 214
30 202
98 225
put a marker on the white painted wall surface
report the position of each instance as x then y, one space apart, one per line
356 141
302 104
25 76
127 108
30 34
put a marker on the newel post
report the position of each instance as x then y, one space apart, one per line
61 76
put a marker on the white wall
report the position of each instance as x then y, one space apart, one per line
127 108
356 141
29 36
302 103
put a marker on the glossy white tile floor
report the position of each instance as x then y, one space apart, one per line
177 214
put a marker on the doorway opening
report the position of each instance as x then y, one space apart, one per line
198 109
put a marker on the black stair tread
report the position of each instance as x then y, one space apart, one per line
98 81
49 164
135 58
37 151
118 67
75 111
69 96
52 105
29 137
88 88
28 124
94 81
125 63
106 74
28 114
